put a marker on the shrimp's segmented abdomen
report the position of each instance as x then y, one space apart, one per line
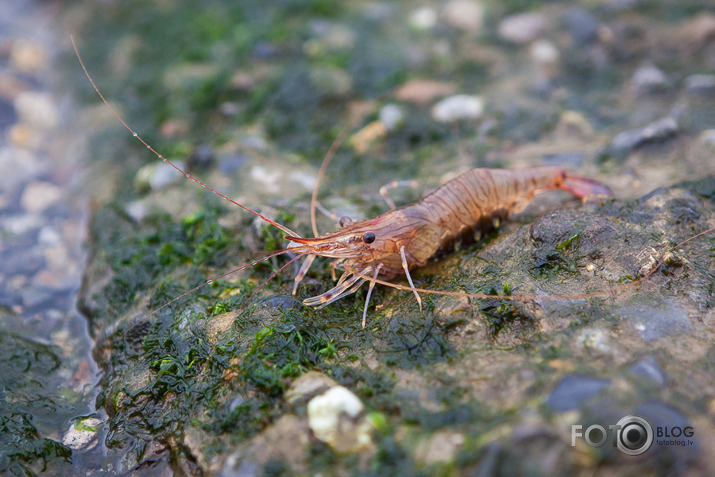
473 201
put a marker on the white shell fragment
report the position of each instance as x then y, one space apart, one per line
336 418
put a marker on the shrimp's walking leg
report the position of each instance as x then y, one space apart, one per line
409 278
369 293
384 190
303 270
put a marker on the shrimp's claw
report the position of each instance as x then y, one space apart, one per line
583 186
303 270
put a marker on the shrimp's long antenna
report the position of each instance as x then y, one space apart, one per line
208 282
188 176
579 296
321 172
255 292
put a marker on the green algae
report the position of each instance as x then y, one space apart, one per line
28 410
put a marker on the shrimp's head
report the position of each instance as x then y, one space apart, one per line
355 242
372 242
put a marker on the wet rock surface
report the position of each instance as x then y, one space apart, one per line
47 419
223 382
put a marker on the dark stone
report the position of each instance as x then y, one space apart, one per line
701 85
202 158
628 141
8 115
229 165
489 463
648 368
22 262
666 421
264 51
573 390
582 26
657 319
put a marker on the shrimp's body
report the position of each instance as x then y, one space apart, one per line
398 241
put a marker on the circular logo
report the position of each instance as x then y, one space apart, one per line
634 435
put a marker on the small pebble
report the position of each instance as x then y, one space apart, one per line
703 85
82 435
305 179
174 128
627 141
39 195
331 81
364 138
391 116
18 166
700 29
594 339
202 158
8 116
335 36
420 91
522 28
137 210
37 109
442 446
544 52
238 401
648 79
582 26
23 136
307 386
648 368
27 56
707 137
573 390
22 224
231 163
157 175
460 106
467 15
423 18
269 178
49 236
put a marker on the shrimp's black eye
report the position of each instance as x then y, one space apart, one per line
369 237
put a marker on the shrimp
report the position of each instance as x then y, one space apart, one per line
378 250
404 238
